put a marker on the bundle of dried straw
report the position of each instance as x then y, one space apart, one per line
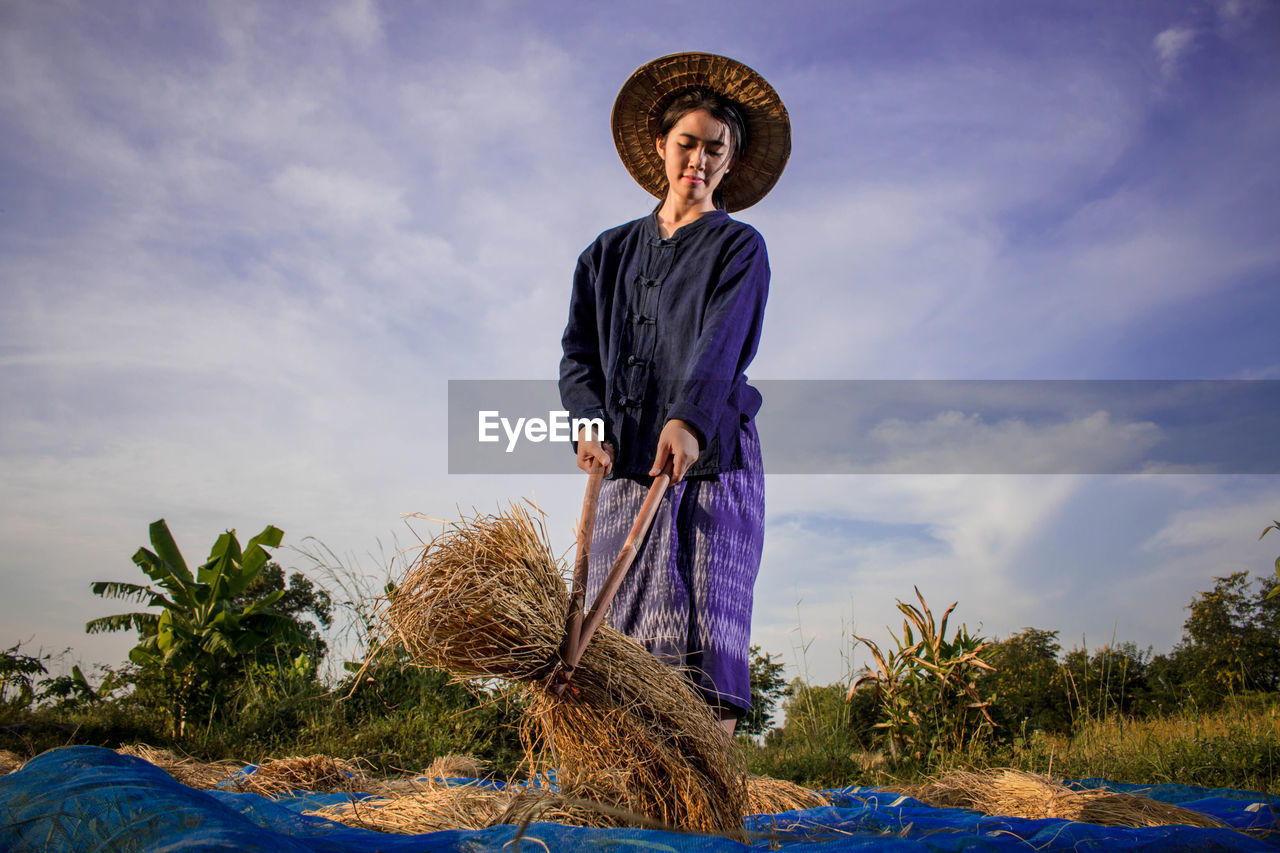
456 766
1015 793
770 796
277 776
271 778
432 806
427 808
427 803
487 598
10 761
188 771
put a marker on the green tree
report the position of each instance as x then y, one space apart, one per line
1111 681
18 672
823 740
309 606
74 690
1166 683
767 687
1028 690
202 632
1231 639
394 706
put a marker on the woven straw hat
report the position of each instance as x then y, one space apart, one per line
646 95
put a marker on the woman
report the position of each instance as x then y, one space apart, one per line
664 318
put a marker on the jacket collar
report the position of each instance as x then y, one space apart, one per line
651 226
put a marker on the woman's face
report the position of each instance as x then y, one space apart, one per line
696 154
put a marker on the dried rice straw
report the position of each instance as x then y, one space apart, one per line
278 776
188 771
271 778
770 796
10 761
487 599
1015 793
435 806
439 807
456 766
430 808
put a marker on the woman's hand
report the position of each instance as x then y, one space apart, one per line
591 451
679 444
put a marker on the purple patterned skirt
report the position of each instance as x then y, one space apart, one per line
687 597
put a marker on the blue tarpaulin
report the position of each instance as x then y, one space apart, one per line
86 799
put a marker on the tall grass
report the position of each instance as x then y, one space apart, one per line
1235 746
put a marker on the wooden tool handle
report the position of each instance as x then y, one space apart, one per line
586 525
620 567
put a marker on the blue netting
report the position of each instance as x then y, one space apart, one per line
85 799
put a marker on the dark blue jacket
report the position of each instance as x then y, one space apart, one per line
662 329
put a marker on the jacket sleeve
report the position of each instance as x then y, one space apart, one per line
729 337
581 371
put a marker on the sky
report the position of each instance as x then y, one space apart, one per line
245 246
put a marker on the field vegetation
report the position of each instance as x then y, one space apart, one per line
233 661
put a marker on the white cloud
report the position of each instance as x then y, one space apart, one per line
490 124
346 202
1236 16
1171 46
970 536
359 21
855 277
954 441
1232 524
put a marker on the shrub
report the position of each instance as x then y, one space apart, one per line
926 690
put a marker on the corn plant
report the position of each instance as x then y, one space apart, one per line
926 692
1275 525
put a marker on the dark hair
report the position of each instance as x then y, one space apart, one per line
720 108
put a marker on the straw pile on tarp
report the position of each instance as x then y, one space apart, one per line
271 778
456 766
431 806
1014 793
487 599
427 803
278 776
10 761
188 771
771 796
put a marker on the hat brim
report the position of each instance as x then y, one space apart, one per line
638 109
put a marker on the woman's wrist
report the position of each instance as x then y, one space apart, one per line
691 429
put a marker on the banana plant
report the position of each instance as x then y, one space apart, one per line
200 627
